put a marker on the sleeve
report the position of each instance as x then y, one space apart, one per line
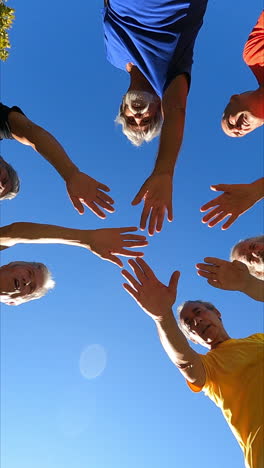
253 53
5 131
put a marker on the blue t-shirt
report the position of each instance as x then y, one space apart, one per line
157 36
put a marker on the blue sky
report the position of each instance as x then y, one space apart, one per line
130 407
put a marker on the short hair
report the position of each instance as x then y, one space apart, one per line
48 283
185 330
13 177
137 137
241 242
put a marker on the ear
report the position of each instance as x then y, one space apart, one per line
217 313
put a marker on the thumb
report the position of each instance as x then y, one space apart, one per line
139 195
174 281
220 187
77 204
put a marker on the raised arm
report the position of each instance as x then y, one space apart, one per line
82 189
231 276
236 200
105 243
157 300
157 189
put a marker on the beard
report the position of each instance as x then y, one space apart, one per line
139 101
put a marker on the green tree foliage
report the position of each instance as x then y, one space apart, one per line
7 16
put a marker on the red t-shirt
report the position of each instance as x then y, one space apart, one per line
253 53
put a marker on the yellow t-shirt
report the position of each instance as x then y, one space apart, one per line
234 381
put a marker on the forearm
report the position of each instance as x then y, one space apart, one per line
170 141
33 233
45 144
178 349
254 288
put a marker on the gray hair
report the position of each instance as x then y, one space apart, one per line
253 268
137 137
13 177
48 283
182 327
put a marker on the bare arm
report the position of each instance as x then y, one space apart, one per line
105 243
82 189
231 276
157 189
156 300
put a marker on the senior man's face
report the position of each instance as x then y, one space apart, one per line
204 326
140 108
5 182
17 281
238 119
252 254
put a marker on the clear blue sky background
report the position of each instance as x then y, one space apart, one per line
129 407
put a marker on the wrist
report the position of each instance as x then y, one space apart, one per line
69 171
164 318
258 187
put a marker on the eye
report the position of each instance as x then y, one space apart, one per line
197 312
131 121
145 121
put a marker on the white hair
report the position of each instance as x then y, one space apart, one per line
13 177
137 137
182 327
48 282
255 269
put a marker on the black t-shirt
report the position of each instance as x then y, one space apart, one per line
5 132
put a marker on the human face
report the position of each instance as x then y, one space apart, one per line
140 109
204 325
19 281
5 182
240 117
251 253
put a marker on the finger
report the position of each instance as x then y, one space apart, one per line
202 266
144 216
105 197
214 283
104 205
215 261
210 204
173 284
229 222
218 219
211 215
206 274
130 278
145 268
134 237
113 259
103 187
77 204
131 291
129 253
126 229
152 221
170 213
138 271
160 219
133 244
139 196
94 208
220 187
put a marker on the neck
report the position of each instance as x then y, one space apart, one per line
223 336
138 81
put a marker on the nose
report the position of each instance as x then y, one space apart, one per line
26 282
196 321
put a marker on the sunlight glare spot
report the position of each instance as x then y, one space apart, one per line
92 361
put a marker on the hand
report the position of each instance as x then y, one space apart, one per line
152 296
232 276
83 189
236 200
107 243
157 195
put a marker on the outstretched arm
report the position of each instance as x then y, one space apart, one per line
105 243
82 189
157 189
157 300
236 200
232 276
